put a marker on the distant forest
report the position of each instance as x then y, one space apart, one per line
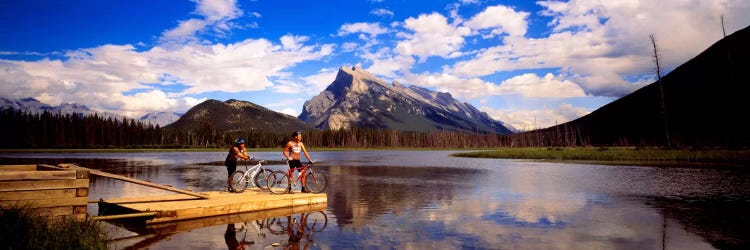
49 130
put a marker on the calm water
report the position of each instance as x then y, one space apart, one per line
426 199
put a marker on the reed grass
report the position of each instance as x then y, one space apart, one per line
27 228
619 155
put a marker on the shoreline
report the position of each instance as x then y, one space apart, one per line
622 156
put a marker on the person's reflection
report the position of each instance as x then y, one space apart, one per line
294 237
230 237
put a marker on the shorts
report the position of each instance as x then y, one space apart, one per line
295 164
231 167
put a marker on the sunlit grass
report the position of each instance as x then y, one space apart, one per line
618 155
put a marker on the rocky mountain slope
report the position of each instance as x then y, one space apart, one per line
356 98
236 115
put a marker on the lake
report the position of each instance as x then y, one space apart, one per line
413 199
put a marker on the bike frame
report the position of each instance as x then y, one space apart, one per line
307 166
248 177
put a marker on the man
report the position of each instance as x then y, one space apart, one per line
292 152
235 152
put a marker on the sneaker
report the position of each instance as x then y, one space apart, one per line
304 190
231 190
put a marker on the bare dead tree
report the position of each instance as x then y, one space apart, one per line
661 90
723 30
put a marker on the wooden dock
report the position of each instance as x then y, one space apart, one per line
63 190
168 208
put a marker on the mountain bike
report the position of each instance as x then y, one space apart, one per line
258 175
280 182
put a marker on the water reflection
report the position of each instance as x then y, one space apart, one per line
285 227
425 199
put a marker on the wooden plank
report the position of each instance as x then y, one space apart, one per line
38 194
146 183
18 167
163 198
77 201
43 184
80 209
81 172
17 175
123 216
56 211
82 192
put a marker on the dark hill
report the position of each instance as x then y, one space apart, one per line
235 115
705 101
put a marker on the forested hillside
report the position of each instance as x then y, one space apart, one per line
46 130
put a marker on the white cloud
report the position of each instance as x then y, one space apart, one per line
382 12
349 46
373 29
431 35
287 87
549 86
216 10
458 87
97 77
527 85
525 120
290 111
598 41
318 82
216 14
500 19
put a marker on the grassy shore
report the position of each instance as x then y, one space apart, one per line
25 228
621 155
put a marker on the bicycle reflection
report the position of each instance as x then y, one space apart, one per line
298 227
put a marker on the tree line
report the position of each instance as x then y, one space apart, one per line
55 130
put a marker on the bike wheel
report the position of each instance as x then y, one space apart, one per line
239 183
278 225
278 182
316 221
261 179
315 182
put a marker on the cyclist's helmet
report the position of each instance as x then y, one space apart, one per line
239 141
296 133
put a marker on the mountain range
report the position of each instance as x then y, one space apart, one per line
34 106
356 98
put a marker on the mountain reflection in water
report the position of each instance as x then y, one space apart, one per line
426 199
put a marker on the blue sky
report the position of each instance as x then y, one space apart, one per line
529 64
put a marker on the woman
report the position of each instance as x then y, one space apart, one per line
235 152
292 153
